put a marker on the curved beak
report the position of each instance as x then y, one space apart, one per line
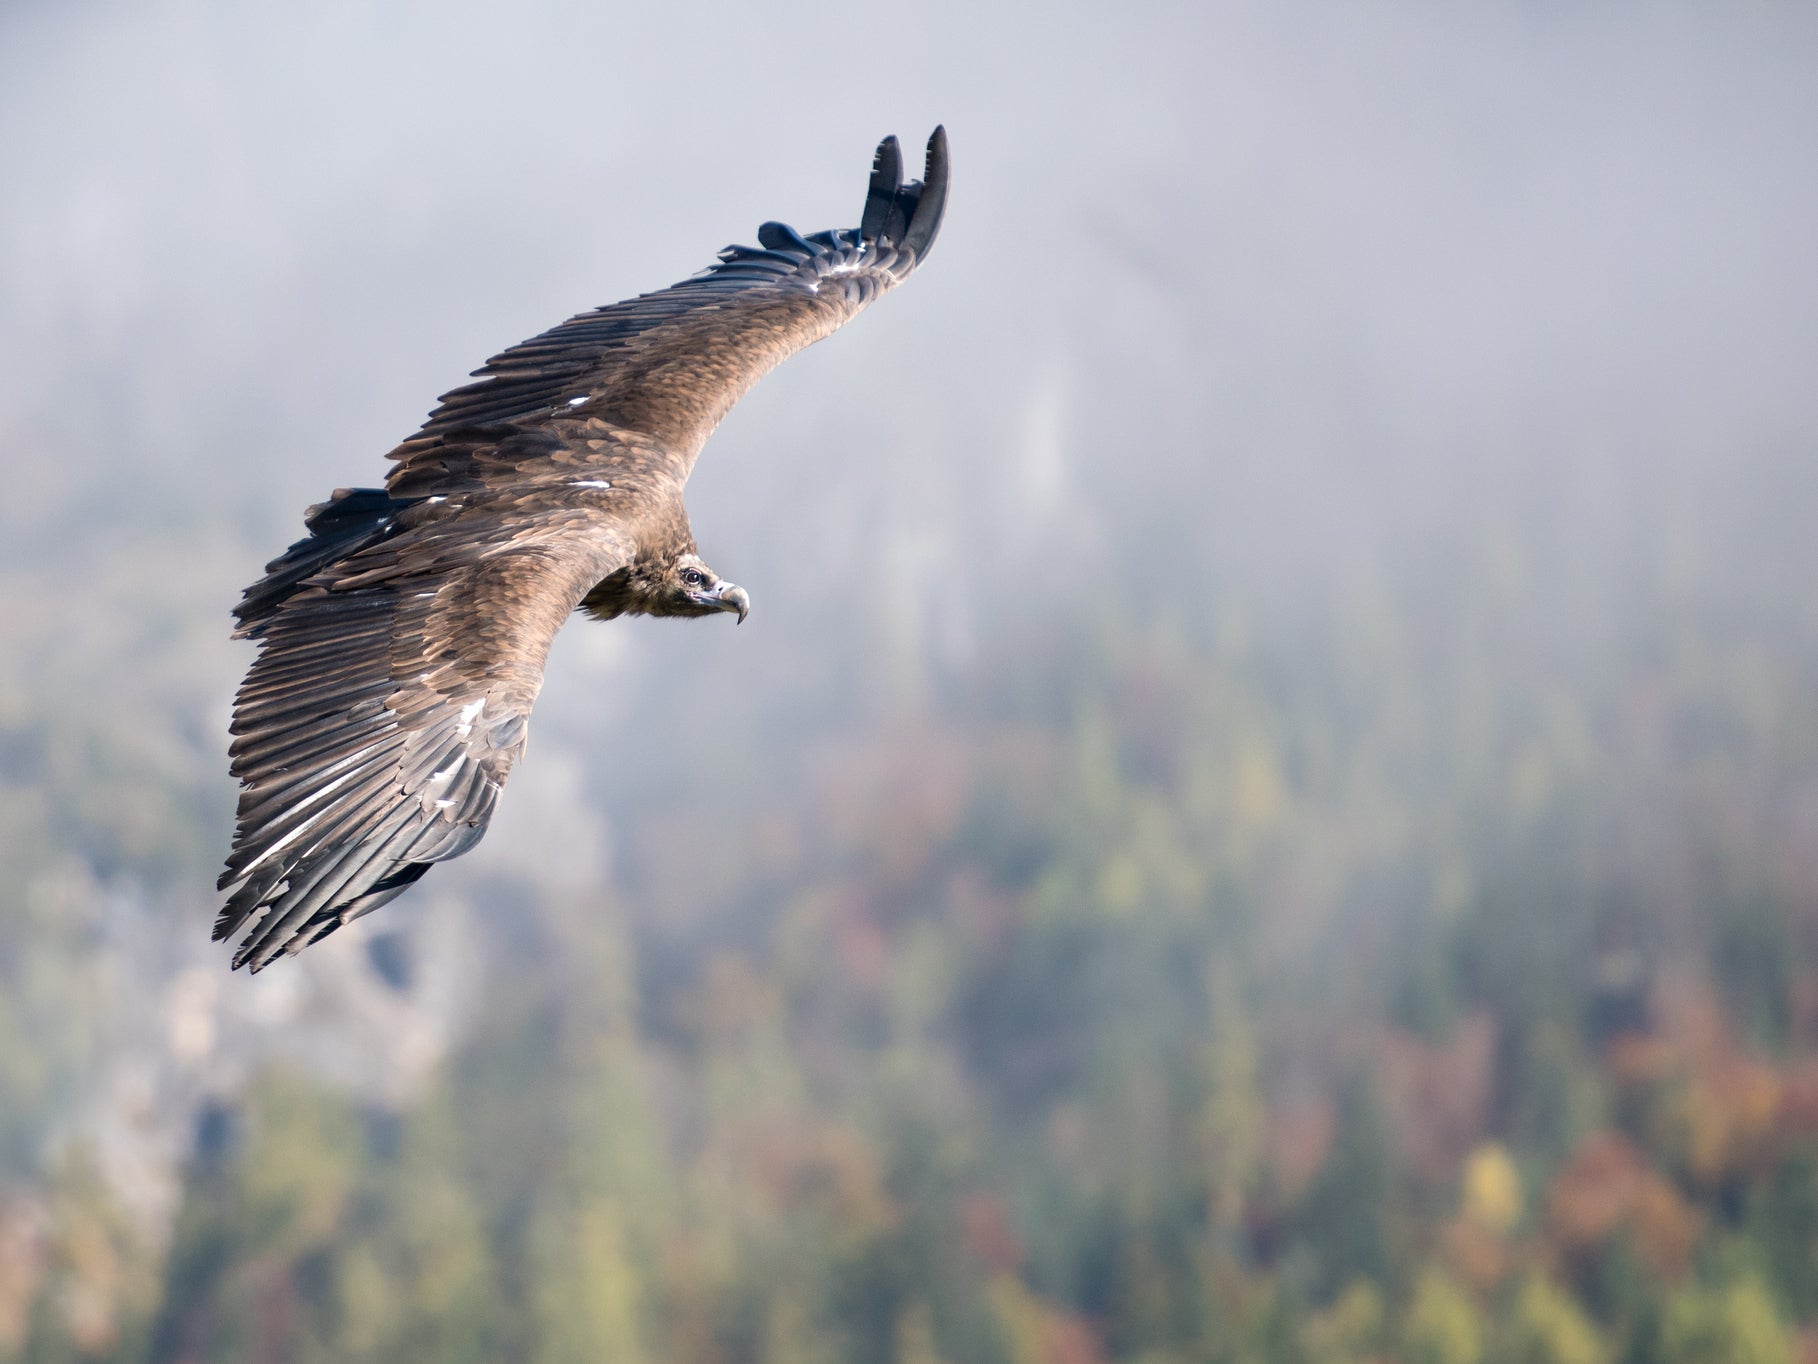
732 597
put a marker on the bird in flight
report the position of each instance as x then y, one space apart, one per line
402 642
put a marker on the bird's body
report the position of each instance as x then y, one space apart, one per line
402 643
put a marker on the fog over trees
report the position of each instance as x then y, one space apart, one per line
1267 808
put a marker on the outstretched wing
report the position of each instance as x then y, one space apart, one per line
670 365
402 644
400 653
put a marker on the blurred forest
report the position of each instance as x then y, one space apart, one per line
1268 807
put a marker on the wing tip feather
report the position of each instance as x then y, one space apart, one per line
931 203
906 215
882 193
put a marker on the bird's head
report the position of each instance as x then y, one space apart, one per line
679 585
687 587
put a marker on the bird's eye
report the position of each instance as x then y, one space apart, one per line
693 577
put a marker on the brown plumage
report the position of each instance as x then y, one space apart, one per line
401 645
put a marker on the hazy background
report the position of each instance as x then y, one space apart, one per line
1268 804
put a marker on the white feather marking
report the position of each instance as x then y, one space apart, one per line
281 844
358 769
590 483
854 265
327 787
576 402
450 770
469 713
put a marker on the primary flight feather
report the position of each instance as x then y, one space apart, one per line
401 644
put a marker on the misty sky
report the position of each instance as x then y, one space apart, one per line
248 251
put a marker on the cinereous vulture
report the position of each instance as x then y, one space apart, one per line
401 644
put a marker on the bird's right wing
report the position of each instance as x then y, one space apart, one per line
669 365
400 652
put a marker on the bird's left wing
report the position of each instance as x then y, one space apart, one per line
400 653
670 365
